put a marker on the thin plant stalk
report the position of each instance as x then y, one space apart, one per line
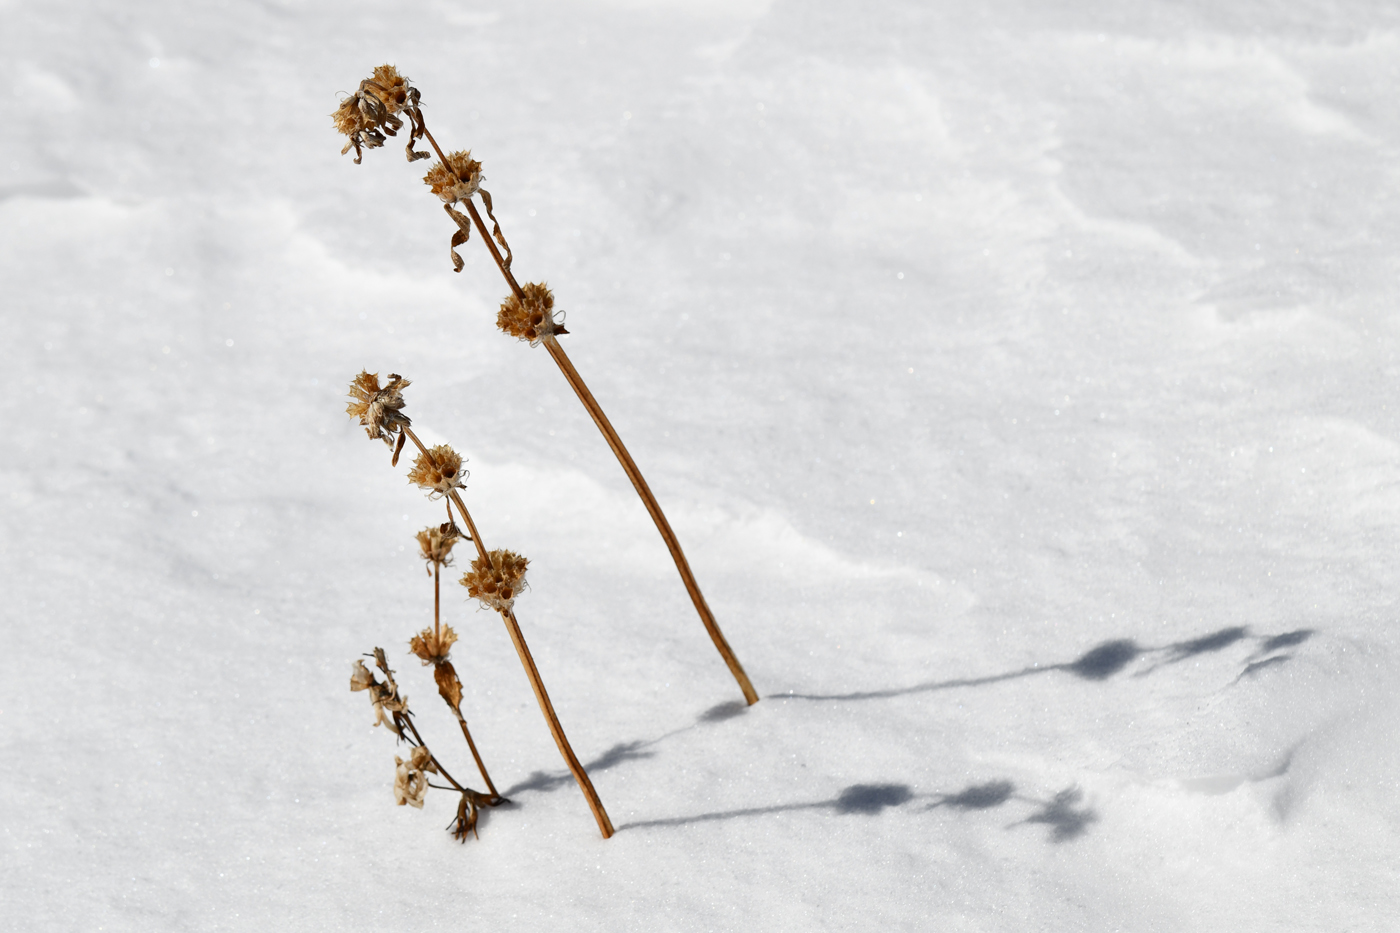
527 661
619 450
461 720
639 483
467 734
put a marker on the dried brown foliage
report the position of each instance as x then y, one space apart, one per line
411 777
383 696
379 410
371 113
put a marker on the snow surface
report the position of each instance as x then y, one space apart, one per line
1017 375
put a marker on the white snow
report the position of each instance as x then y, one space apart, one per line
1018 375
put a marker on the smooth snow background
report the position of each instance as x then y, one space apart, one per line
958 341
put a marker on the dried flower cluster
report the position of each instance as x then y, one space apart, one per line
533 318
379 410
456 181
497 586
439 471
432 647
410 779
436 542
370 114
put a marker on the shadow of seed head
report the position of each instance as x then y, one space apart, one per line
980 796
872 798
1104 661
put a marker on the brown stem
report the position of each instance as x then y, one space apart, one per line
480 766
654 508
437 603
557 730
528 662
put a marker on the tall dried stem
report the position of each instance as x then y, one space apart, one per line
629 466
639 483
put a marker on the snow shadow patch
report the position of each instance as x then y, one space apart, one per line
872 798
1064 815
548 781
1106 660
858 799
977 796
723 711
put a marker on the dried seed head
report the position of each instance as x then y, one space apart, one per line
456 181
379 410
390 87
368 115
532 319
436 543
439 471
410 781
433 647
497 586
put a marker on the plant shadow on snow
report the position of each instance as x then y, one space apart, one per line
1063 812
1109 658
623 751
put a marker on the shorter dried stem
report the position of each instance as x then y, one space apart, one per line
527 661
480 766
555 728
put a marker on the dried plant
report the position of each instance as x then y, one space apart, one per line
410 777
527 313
439 472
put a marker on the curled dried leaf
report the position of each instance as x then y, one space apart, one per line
495 226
